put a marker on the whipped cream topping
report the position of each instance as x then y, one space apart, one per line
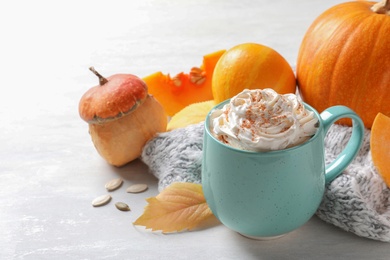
263 120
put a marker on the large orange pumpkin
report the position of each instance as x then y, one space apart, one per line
344 59
251 66
175 93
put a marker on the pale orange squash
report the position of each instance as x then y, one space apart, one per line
175 93
251 66
380 146
344 59
122 117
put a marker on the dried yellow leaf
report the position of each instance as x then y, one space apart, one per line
180 206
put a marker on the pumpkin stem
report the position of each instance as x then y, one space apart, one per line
382 7
102 80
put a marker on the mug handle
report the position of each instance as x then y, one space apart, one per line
331 115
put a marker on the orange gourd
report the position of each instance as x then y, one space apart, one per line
251 66
379 146
344 59
175 93
122 117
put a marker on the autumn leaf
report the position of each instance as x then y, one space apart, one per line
180 206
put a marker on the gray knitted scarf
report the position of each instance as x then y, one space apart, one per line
357 201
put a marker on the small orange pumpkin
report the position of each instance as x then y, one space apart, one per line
251 66
175 93
344 59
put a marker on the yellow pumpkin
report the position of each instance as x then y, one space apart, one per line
251 66
344 59
191 114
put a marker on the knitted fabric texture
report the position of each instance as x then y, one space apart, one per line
175 156
357 201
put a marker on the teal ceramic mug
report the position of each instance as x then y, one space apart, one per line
268 194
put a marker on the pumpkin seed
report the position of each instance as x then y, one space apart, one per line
114 184
122 206
101 200
197 76
137 188
177 81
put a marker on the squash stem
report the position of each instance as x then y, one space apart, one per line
102 80
382 7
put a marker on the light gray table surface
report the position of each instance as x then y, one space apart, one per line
49 169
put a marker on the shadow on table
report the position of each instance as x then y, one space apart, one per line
316 240
135 171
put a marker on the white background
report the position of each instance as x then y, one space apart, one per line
49 169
